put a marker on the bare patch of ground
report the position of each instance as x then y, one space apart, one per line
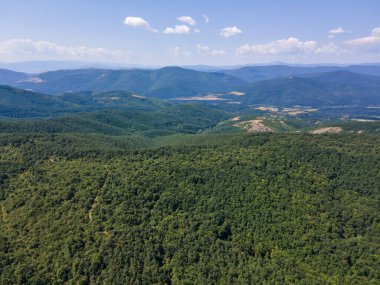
298 111
263 108
236 93
137 96
363 120
328 130
254 126
211 97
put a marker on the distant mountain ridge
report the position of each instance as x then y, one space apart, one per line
258 73
168 82
325 89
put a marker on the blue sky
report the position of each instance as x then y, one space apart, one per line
178 32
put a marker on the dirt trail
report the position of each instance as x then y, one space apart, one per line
92 208
96 199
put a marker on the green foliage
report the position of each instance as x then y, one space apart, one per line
186 118
198 209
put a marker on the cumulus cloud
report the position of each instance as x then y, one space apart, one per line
370 43
206 19
178 29
27 49
178 52
138 22
230 32
205 50
187 19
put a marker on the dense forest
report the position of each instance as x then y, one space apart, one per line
99 186
189 209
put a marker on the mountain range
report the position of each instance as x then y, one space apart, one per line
84 90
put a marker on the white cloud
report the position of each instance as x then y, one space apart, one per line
178 29
371 42
187 19
138 22
178 52
27 49
286 46
230 31
376 32
338 30
206 18
196 31
205 50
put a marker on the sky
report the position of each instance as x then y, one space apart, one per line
191 32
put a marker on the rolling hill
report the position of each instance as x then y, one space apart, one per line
185 118
9 77
19 103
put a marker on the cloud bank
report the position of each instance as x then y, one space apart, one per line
289 46
368 43
27 49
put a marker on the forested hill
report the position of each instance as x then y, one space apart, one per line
220 209
19 103
186 118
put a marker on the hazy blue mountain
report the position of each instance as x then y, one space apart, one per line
346 77
100 89
168 82
333 88
257 73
